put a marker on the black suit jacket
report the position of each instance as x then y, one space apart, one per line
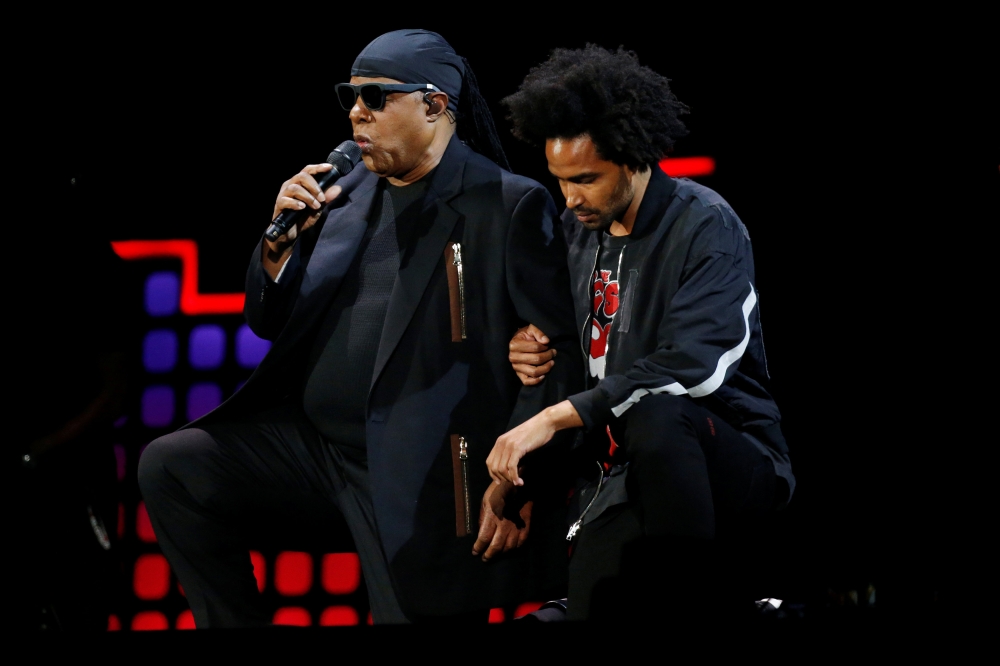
426 387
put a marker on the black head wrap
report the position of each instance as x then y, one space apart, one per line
422 56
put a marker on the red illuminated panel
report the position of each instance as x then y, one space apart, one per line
150 621
678 167
192 302
259 569
496 616
370 620
341 573
293 573
144 528
527 607
292 616
114 624
338 616
185 620
151 577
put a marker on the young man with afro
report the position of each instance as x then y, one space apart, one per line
677 411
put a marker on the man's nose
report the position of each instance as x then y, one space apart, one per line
574 197
359 112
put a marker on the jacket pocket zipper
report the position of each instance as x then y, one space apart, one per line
463 505
457 248
463 455
456 289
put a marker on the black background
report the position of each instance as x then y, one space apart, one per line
184 127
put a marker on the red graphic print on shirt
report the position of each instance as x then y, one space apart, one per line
605 307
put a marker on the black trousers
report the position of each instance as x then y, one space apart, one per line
200 485
693 482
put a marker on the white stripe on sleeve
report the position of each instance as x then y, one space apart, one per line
710 384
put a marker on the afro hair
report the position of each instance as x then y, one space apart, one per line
627 109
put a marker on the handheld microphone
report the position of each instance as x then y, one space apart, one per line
343 158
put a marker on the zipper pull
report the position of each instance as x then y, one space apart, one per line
457 257
463 449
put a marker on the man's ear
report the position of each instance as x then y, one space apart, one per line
437 103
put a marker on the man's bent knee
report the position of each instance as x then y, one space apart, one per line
164 458
657 422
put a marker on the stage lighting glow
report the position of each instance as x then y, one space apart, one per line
151 577
158 406
206 347
341 573
202 398
338 616
688 167
143 527
293 573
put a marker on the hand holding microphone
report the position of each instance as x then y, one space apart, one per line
302 197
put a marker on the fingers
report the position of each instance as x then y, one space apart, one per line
333 192
536 333
497 462
522 535
305 192
511 542
487 529
313 169
499 540
511 467
533 370
531 358
518 346
529 381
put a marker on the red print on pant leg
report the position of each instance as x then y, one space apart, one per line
711 426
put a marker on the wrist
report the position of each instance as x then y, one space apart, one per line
276 250
562 416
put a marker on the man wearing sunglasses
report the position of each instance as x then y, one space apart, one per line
387 384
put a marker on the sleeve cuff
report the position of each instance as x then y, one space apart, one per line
593 408
287 269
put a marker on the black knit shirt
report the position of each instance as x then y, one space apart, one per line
342 359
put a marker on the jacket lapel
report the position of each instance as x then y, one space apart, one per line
334 252
425 250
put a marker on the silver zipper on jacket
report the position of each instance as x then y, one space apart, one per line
463 455
457 260
590 315
575 527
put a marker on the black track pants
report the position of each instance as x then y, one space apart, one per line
200 484
691 478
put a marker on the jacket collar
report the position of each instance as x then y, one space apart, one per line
446 182
654 203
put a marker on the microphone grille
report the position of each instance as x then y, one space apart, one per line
345 156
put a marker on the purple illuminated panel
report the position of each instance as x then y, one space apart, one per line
120 461
159 351
162 295
157 406
202 398
207 347
250 349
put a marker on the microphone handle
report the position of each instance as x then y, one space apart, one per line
290 216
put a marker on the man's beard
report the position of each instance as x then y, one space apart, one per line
617 205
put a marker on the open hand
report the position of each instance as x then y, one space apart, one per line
505 458
503 526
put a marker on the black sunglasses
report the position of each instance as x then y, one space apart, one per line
373 94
